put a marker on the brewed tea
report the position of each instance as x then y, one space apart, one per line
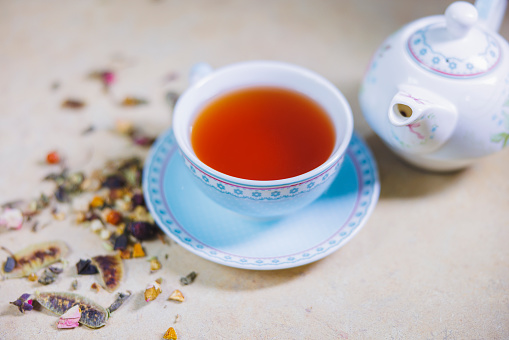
263 133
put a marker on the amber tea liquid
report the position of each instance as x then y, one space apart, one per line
263 133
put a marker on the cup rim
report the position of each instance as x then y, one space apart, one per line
329 163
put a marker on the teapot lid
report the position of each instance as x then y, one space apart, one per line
456 47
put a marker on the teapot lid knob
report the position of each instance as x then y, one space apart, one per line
460 17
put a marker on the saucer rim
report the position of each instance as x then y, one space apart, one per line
262 263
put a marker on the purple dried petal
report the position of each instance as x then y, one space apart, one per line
142 230
137 200
9 264
114 182
23 303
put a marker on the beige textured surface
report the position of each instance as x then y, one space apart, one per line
431 263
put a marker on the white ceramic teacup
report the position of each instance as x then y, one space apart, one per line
254 197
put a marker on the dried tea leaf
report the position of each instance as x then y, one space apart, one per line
35 257
85 267
188 279
170 334
74 284
176 295
92 314
73 104
111 269
47 277
119 301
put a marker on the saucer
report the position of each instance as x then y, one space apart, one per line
217 234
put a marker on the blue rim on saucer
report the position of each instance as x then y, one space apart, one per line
217 234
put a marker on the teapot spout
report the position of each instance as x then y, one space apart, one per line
421 121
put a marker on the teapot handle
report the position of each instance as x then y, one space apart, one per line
491 13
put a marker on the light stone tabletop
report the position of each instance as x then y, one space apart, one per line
432 262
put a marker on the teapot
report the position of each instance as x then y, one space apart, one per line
437 90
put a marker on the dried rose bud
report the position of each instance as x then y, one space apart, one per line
53 157
114 182
142 230
114 217
137 200
24 302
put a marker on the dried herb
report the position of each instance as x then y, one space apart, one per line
47 277
24 303
111 269
35 257
74 284
95 287
9 265
73 104
152 291
85 267
119 301
154 264
138 250
133 101
92 314
116 181
142 230
188 279
32 277
170 334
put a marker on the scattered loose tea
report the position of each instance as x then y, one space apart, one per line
92 314
53 157
73 104
138 250
125 254
56 270
177 318
11 218
188 279
170 334
9 265
74 284
142 230
24 302
111 269
176 295
133 101
47 277
35 257
107 78
119 301
114 182
71 318
152 291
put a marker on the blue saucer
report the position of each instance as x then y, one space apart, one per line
205 228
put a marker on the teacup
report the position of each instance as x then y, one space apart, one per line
262 198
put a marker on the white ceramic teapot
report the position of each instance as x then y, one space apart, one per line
437 90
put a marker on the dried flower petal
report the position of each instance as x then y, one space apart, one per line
176 295
71 318
11 218
92 314
111 269
133 101
10 263
85 267
35 257
155 264
138 250
32 277
95 287
152 291
73 104
24 302
121 242
114 182
142 230
170 334
53 157
188 279
121 298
